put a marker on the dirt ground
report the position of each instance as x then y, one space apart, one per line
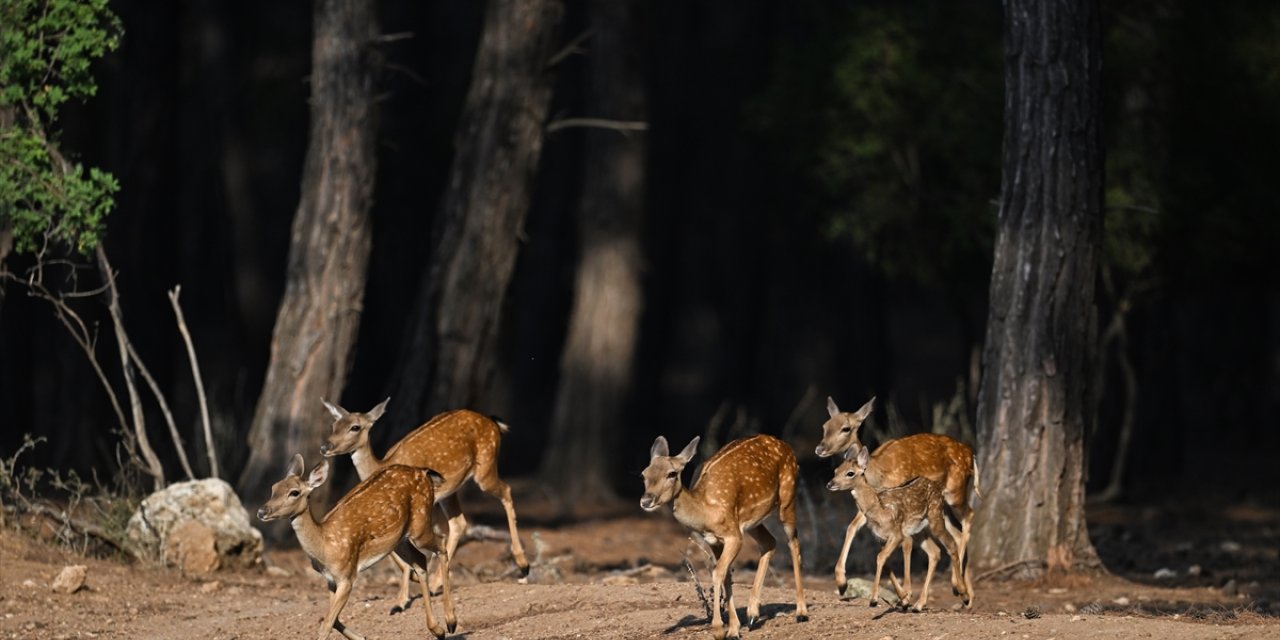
623 577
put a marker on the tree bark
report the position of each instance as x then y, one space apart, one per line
311 348
449 354
1034 404
597 361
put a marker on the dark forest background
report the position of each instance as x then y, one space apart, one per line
818 205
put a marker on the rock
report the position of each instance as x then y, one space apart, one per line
211 503
70 579
192 547
1230 546
1230 588
855 588
281 572
1121 601
1194 570
1164 573
210 587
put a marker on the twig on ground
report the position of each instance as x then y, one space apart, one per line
1005 568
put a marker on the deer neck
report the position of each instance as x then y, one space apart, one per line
867 497
690 509
310 535
366 462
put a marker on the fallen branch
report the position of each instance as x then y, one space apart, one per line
1006 567
79 526
621 126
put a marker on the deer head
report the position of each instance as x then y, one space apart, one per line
662 476
350 431
854 465
289 496
840 431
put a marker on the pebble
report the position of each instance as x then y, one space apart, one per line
1165 573
1122 601
1230 546
281 572
1194 570
70 579
210 587
1069 608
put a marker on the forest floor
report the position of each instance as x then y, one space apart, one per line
623 576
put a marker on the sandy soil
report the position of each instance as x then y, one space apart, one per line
623 577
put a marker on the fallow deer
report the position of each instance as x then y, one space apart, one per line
942 459
733 492
366 524
897 515
457 444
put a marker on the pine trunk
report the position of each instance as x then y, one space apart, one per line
1034 403
311 348
596 365
450 352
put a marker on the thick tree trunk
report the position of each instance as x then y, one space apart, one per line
596 365
449 354
311 348
1034 405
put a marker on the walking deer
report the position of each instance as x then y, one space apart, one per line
942 459
390 506
733 492
458 445
897 515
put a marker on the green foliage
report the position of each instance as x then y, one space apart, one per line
889 116
46 50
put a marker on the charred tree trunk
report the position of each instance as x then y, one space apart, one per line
1034 404
450 354
596 365
316 327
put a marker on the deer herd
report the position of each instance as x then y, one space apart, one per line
900 490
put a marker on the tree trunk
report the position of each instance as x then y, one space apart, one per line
316 327
1034 405
596 365
449 353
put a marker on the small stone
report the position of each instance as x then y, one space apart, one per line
1057 590
855 588
1230 546
210 587
71 578
281 572
1121 601
1230 588
29 583
1069 608
1164 573
1194 570
619 580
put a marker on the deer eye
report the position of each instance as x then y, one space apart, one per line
355 428
671 474
848 474
846 430
295 493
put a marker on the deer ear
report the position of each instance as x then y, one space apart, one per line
318 475
832 409
296 466
866 409
338 412
377 411
690 450
659 449
851 453
864 456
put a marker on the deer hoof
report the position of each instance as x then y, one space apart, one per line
453 626
873 603
524 570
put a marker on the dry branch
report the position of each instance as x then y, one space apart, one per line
164 409
199 380
621 126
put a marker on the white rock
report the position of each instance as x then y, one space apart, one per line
211 502
70 579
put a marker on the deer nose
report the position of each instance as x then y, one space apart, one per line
646 502
821 451
831 486
324 449
262 514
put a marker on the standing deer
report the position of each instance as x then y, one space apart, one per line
458 445
942 459
897 515
390 506
734 491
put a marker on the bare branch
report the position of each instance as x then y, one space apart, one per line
154 468
164 409
195 373
570 49
621 126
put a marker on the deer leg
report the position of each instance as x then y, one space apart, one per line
457 523
767 544
337 600
885 552
432 625
931 550
489 482
906 570
849 533
406 573
719 578
959 577
787 515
